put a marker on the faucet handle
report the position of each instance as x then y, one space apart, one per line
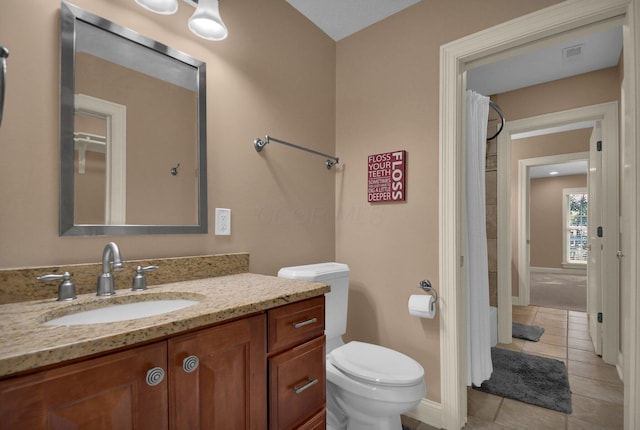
139 280
66 289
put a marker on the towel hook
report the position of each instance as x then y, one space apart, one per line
174 170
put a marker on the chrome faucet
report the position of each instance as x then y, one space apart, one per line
111 254
66 289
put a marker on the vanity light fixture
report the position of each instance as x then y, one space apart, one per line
164 7
205 21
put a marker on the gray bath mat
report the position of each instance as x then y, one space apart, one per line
526 332
528 378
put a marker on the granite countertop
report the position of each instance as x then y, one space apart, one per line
26 343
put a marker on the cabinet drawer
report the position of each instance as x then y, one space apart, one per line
297 385
295 323
318 422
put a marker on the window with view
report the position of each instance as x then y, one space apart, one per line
576 206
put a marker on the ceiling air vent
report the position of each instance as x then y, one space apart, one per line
573 54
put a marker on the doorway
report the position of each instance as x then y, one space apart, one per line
555 225
456 57
603 164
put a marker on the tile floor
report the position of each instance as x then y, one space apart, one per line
596 391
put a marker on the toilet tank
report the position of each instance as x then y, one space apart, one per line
337 276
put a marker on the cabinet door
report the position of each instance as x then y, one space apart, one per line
98 394
297 385
224 385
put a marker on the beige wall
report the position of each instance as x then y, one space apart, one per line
275 74
387 99
546 226
583 90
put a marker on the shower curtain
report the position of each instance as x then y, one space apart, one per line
478 321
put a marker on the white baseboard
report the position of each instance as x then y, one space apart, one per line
562 271
428 412
515 300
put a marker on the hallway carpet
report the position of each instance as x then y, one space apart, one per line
556 290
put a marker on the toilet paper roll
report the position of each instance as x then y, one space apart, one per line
421 306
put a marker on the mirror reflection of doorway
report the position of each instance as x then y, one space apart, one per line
100 139
90 168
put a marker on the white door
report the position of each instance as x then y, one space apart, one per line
594 220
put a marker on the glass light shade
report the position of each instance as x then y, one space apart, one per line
164 7
206 22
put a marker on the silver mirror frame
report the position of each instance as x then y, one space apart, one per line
70 15
4 53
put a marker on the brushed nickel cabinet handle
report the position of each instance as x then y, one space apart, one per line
190 363
309 384
305 323
155 376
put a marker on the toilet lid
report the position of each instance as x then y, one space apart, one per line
376 364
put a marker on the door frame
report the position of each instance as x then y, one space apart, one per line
562 20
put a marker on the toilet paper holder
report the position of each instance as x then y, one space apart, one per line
425 285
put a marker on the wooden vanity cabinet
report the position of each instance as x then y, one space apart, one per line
104 393
224 386
226 389
297 366
259 372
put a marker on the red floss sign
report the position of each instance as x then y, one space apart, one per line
386 177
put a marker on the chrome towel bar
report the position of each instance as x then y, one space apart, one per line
258 144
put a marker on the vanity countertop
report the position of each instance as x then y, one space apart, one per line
26 343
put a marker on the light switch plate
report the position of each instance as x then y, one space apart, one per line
223 222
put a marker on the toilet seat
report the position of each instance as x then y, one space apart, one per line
376 364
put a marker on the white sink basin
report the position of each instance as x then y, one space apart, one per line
122 312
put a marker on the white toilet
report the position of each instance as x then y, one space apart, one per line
368 386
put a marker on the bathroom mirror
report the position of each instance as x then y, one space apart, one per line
132 132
